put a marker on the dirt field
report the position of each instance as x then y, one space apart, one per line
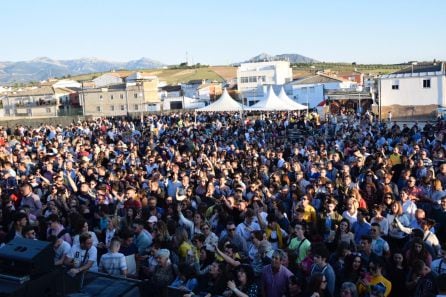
226 72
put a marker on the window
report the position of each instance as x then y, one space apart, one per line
136 107
48 110
244 80
121 96
98 108
426 83
135 95
311 89
252 79
112 108
122 107
111 97
396 85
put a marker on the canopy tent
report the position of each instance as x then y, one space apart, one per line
290 102
271 103
224 103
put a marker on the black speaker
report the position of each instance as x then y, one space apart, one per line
101 285
27 257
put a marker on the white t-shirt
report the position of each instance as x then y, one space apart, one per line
380 246
80 259
93 236
351 218
63 249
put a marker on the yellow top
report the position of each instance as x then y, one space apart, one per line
376 280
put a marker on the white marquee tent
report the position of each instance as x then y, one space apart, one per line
289 102
224 103
272 102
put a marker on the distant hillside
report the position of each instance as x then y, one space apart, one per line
44 68
292 58
176 76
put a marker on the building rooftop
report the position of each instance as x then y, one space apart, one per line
120 74
110 88
171 88
421 68
40 91
316 79
418 70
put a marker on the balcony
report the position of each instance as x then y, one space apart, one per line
40 103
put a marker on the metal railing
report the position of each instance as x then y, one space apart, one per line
41 103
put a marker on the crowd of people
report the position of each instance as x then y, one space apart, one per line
225 205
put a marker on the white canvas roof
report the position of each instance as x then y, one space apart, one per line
271 102
224 103
290 102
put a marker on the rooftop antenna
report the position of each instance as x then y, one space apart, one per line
187 59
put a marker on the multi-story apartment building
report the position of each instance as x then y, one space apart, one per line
137 96
251 76
33 102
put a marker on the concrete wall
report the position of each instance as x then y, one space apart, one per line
312 94
409 112
35 122
411 91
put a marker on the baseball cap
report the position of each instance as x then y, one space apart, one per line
152 219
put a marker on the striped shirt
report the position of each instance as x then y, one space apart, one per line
113 263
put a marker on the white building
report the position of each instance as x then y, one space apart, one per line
183 102
170 91
311 90
111 78
67 83
140 76
416 85
32 102
251 76
190 89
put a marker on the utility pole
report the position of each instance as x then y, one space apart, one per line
83 100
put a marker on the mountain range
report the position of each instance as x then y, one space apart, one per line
292 58
43 68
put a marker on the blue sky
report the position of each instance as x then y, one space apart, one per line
223 32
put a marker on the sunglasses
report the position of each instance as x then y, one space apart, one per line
232 229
